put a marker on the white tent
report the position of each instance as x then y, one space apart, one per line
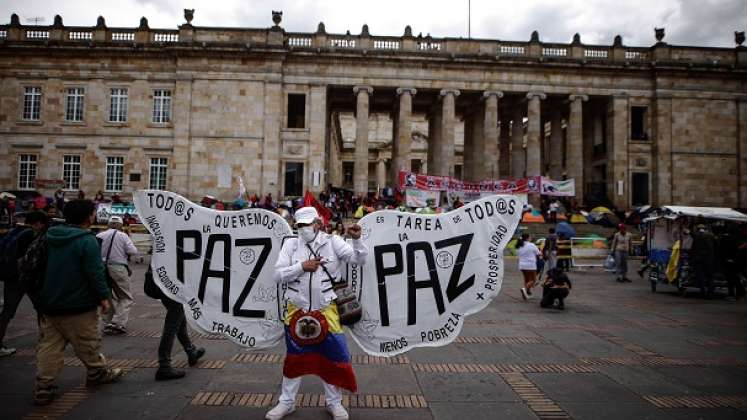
720 213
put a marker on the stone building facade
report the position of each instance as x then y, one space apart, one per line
193 109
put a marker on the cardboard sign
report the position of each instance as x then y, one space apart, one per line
218 264
425 273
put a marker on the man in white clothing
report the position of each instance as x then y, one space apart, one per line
116 247
314 338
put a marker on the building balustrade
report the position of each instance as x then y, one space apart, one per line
661 53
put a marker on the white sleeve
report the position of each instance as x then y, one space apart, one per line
355 254
286 270
130 248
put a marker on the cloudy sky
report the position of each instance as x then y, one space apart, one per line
687 22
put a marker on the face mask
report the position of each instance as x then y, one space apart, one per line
307 233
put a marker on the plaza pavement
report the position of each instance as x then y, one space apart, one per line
618 351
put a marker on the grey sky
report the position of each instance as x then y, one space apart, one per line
687 22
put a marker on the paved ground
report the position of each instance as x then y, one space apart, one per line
617 352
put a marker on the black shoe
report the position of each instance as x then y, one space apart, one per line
45 396
619 280
167 374
561 305
640 273
194 356
627 280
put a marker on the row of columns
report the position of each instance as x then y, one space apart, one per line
486 149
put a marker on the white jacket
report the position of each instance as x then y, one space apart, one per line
313 291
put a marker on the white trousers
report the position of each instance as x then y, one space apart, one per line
290 386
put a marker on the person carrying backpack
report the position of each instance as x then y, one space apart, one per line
13 247
73 287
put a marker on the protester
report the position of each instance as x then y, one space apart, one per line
550 250
555 289
116 248
554 207
728 249
73 287
703 258
339 229
622 243
564 253
528 254
14 246
312 347
174 326
59 201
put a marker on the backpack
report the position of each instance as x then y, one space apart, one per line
150 287
9 253
32 268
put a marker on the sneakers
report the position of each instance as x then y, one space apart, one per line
194 356
107 377
337 411
281 410
114 329
524 294
169 373
6 351
45 396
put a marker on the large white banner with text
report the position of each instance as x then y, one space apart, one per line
423 275
219 264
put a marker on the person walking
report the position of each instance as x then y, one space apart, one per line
703 258
529 255
73 287
313 334
622 243
15 244
116 248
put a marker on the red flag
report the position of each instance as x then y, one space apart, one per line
324 212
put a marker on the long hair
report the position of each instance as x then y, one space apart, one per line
520 241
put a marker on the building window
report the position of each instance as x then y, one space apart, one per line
296 110
114 173
458 171
158 173
32 103
293 179
347 173
26 172
118 105
161 106
71 172
415 166
74 102
638 123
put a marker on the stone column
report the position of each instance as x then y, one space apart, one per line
534 157
380 174
180 165
360 176
662 161
533 133
518 155
402 142
317 135
504 148
445 161
574 156
271 143
742 164
473 145
617 155
491 153
556 143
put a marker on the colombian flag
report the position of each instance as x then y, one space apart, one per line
330 359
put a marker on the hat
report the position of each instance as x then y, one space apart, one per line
306 215
115 219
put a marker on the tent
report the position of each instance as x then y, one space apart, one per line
564 228
533 216
577 218
601 210
718 213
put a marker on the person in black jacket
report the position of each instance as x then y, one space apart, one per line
35 224
556 287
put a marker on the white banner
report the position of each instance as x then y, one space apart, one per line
425 273
418 198
218 264
565 188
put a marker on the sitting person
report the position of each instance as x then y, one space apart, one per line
556 287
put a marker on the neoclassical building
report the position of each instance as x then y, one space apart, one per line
193 109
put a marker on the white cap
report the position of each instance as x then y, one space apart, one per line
306 215
115 219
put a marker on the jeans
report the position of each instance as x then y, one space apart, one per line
731 272
621 263
703 271
174 325
12 296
